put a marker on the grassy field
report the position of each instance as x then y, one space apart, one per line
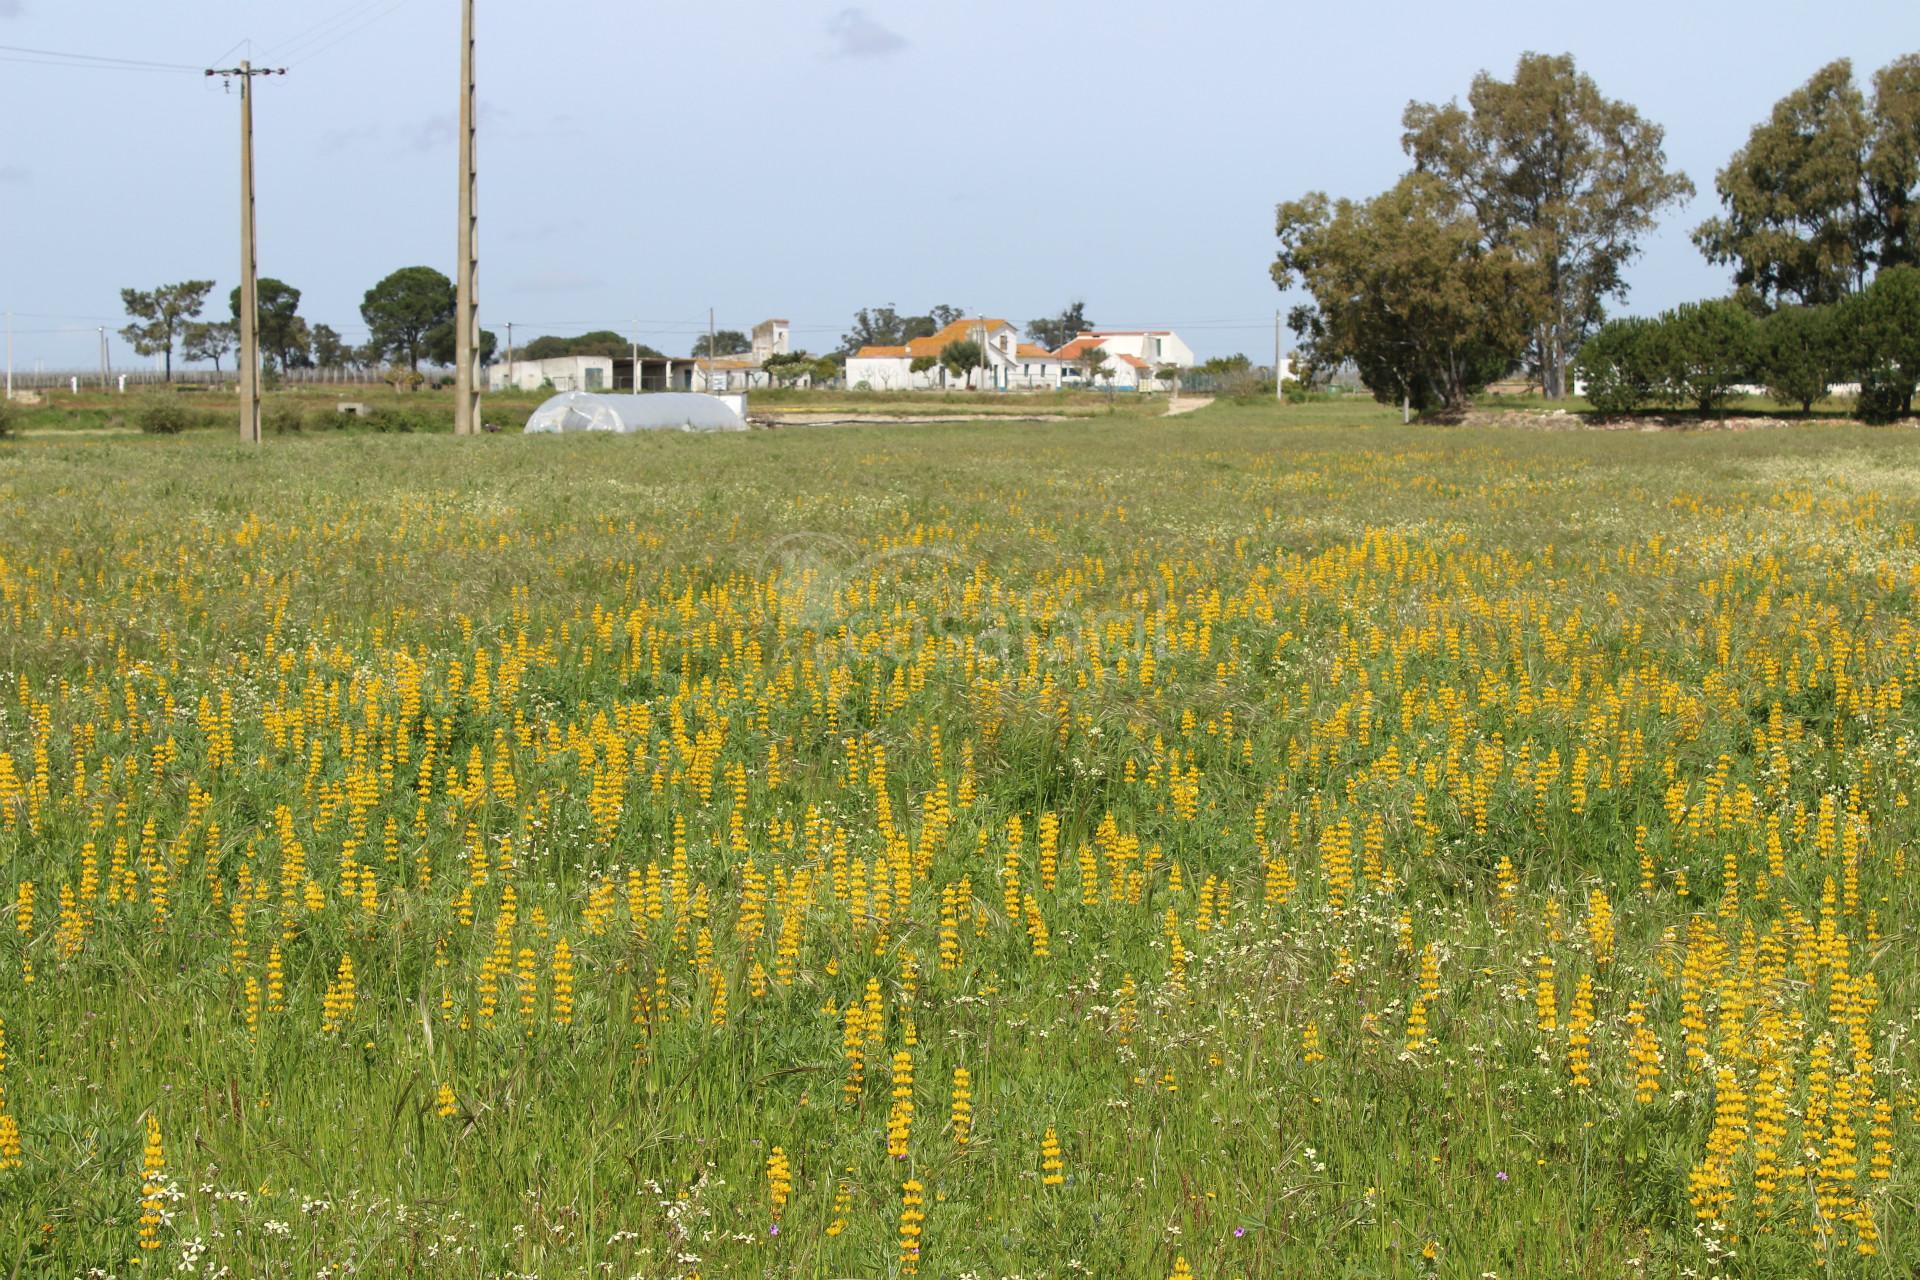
1252 844
313 410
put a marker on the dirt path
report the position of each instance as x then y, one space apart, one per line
844 419
1188 405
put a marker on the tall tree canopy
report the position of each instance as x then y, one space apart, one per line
403 309
1825 190
437 346
162 315
284 338
886 327
1561 175
1054 332
600 342
209 340
330 351
1407 287
1893 163
726 342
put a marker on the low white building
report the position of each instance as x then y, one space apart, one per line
1135 360
594 373
561 373
655 373
1154 347
1007 364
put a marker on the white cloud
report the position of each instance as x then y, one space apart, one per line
853 34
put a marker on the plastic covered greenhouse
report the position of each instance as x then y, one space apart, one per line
657 411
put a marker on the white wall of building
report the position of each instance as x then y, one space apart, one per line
1156 348
883 373
565 373
1030 374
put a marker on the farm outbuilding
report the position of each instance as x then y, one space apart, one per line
662 411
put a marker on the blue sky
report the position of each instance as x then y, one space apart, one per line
641 162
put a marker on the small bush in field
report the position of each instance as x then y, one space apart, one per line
282 419
1617 364
162 414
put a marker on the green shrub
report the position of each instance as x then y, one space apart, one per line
400 420
1884 396
1882 323
10 416
1799 354
281 418
1620 366
160 413
321 418
1705 350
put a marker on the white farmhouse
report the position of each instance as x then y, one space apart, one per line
1135 360
1009 364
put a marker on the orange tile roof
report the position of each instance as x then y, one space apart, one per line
1135 361
1077 348
1033 351
958 331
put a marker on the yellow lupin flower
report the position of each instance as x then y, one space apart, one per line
152 1189
1546 1002
779 1181
900 1114
1310 1044
1051 1165
1580 1034
911 1216
962 1106
337 1005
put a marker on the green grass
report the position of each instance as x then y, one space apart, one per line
1365 641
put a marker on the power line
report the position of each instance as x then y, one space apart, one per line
222 56
309 53
90 66
89 59
320 29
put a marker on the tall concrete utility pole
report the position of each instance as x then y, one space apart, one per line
106 372
249 258
466 318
